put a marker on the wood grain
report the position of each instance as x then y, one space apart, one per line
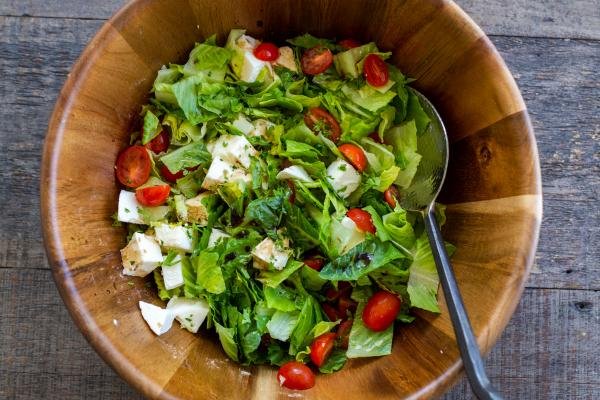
563 19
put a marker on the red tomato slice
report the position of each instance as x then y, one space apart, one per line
153 196
362 219
296 376
375 70
316 60
321 348
133 166
381 310
169 176
390 195
160 143
375 137
349 43
343 290
315 263
345 305
266 52
320 120
343 333
355 155
330 311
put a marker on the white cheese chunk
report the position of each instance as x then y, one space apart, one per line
343 177
189 312
294 172
268 253
346 235
242 124
246 43
215 236
129 208
158 319
197 211
235 149
141 255
221 171
261 126
251 67
173 274
286 59
174 237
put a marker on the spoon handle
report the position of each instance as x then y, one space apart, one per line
467 344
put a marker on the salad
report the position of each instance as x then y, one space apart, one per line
262 196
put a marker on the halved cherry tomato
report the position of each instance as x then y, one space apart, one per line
343 333
346 304
319 120
375 137
266 52
316 60
375 70
153 196
321 347
315 263
343 290
349 43
330 311
390 195
381 310
133 166
160 143
168 175
296 376
355 155
362 219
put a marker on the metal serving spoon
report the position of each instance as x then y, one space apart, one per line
432 145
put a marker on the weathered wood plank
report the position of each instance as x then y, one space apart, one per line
559 79
45 356
568 19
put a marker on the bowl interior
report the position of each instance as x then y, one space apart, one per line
492 189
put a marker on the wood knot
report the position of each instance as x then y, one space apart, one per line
485 154
583 305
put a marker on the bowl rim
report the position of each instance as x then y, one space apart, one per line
61 271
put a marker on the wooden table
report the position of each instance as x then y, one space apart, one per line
551 348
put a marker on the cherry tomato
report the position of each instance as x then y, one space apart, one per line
375 137
169 176
133 166
316 60
315 263
160 143
390 195
355 155
321 347
381 310
346 304
362 219
296 376
343 290
343 333
349 43
266 52
375 70
153 196
320 120
330 311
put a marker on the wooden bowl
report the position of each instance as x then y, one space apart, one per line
492 189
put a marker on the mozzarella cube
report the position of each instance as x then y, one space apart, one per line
173 274
141 255
158 319
129 208
268 253
286 59
346 234
260 127
294 172
343 177
251 67
215 236
246 43
189 312
198 208
174 237
221 171
235 149
243 125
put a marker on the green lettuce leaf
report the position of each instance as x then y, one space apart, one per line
151 127
274 278
280 298
404 140
364 342
227 338
282 324
336 361
209 275
188 156
308 41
